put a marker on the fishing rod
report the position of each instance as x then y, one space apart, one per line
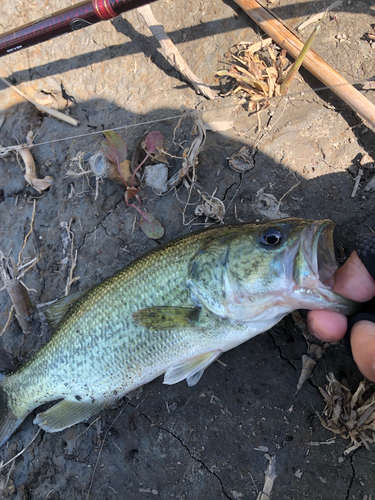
67 20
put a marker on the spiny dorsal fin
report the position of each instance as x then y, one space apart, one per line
167 317
57 311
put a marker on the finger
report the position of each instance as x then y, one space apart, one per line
363 347
354 281
327 326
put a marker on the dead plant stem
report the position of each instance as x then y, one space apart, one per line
28 234
22 451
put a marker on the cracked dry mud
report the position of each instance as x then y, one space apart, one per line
208 441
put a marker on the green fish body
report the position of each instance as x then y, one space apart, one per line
172 311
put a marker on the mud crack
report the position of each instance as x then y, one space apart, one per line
281 352
351 479
101 223
196 459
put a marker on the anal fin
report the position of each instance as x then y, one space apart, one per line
192 369
65 414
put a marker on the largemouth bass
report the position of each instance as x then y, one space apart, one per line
172 311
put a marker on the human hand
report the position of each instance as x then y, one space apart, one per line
353 281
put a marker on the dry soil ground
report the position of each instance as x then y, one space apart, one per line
208 441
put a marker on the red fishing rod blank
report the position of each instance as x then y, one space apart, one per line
65 21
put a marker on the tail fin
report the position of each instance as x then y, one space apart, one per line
8 421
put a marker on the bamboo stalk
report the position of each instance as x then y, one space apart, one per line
17 292
315 64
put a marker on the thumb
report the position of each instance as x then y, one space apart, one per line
353 281
363 347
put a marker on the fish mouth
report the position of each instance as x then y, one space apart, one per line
318 249
315 266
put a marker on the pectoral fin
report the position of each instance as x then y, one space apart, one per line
191 369
165 317
65 414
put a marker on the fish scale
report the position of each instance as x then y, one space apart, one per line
174 310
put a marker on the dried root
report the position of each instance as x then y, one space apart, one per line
191 155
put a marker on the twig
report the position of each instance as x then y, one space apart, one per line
357 181
172 54
29 265
271 475
86 430
22 451
101 449
284 195
317 17
30 175
8 476
45 109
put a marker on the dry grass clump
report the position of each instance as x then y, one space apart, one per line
352 416
257 70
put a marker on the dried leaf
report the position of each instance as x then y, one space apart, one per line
125 171
255 47
153 142
241 161
151 226
308 365
369 85
114 147
130 193
272 55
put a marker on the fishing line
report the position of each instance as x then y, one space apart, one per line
301 93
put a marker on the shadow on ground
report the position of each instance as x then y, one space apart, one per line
204 442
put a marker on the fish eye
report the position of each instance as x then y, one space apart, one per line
271 237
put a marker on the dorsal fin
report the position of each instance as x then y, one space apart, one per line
57 311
